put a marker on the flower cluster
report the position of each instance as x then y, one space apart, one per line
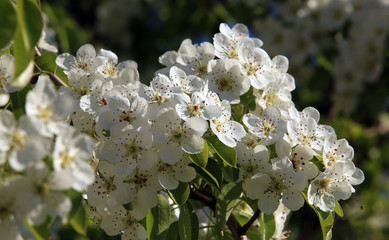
145 133
41 158
135 140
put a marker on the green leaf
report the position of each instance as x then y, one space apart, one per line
201 159
227 154
77 217
8 23
76 198
46 63
226 202
231 191
27 36
184 223
326 220
40 232
18 100
247 102
248 99
221 213
230 174
237 112
172 233
180 194
338 209
194 224
79 221
268 226
158 219
214 168
317 160
205 175
150 220
162 214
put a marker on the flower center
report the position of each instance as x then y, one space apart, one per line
249 169
133 149
270 98
158 98
251 68
278 186
129 221
323 184
18 139
252 141
82 63
201 69
232 53
267 127
127 117
332 158
140 180
219 125
306 139
224 84
194 110
177 135
166 168
108 184
41 189
110 69
66 159
45 113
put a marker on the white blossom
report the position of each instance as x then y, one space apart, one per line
334 184
228 131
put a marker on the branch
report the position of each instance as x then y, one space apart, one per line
246 227
53 77
207 197
196 194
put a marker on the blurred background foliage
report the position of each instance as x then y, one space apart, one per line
356 105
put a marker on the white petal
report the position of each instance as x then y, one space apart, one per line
341 190
170 153
108 54
268 202
185 173
283 148
292 200
168 181
357 178
83 176
112 152
61 180
146 199
193 145
124 193
256 187
212 112
86 51
197 124
148 159
9 229
140 232
281 63
4 97
65 61
125 168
